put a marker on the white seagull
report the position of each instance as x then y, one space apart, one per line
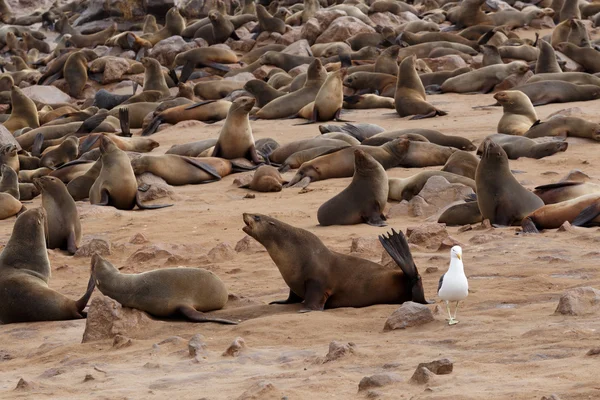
453 284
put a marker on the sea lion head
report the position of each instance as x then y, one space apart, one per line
315 71
364 162
398 147
27 227
101 269
518 67
6 82
307 172
107 145
214 16
139 165
549 148
243 104
46 183
258 226
9 150
492 151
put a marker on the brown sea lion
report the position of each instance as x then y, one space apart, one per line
565 190
519 114
75 73
546 92
430 135
439 77
24 111
9 183
407 188
385 84
368 101
24 292
9 206
235 139
153 77
214 57
491 55
565 126
423 154
29 175
206 111
587 57
163 292
33 43
329 101
524 52
546 61
461 214
484 79
79 187
174 25
462 163
219 29
94 39
578 78
262 92
62 218
266 179
192 149
215 90
279 155
409 98
65 152
363 200
500 197
28 191
178 170
468 13
515 19
519 146
267 23
9 156
580 211
325 279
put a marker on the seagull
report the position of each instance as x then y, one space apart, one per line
453 285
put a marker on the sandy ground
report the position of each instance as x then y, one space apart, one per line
508 344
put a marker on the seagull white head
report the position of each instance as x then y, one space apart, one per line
456 252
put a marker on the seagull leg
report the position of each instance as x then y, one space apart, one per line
453 321
449 314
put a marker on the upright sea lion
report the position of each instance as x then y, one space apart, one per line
9 183
266 179
325 279
174 25
410 98
217 89
570 10
519 146
235 139
62 218
24 292
153 77
329 101
150 25
462 163
163 292
500 197
33 43
266 22
65 152
407 188
219 30
546 92
75 73
583 210
484 79
363 200
24 111
546 61
519 114
9 156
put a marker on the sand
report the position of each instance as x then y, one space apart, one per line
508 344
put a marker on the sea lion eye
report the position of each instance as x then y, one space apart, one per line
272 223
256 218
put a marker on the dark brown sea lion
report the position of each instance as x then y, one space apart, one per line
266 179
24 111
562 191
235 139
9 183
580 211
546 61
462 163
65 152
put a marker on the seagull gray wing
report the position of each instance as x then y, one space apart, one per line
440 282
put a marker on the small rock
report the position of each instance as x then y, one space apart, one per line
442 366
551 397
366 245
311 30
407 315
513 80
299 48
343 28
420 208
121 341
247 244
445 63
46 94
450 242
106 318
422 376
291 36
378 380
89 377
262 390
579 301
100 246
300 69
5 356
338 350
429 235
197 346
593 352
577 176
243 46
325 17
431 270
465 228
138 238
221 252
152 365
241 77
148 253
401 209
484 238
236 348
250 196
386 19
25 385
440 193
158 188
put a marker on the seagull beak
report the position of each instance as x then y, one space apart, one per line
458 256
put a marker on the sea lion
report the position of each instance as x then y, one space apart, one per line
468 13
283 60
519 114
9 183
500 197
266 179
423 154
587 57
580 211
461 214
174 25
430 135
570 10
95 39
9 206
219 29
565 190
213 57
30 175
359 131
6 13
163 292
578 78
206 111
439 77
462 163
153 77
65 152
407 188
75 73
546 61
483 79
524 52
325 279
385 84
363 200
298 158
409 98
33 43
565 126
116 184
235 139
79 187
267 23
62 218
9 156
512 19
368 101
215 90
28 191
546 92
193 149
262 92
24 292
329 101
178 170
280 154
519 146
150 25
24 111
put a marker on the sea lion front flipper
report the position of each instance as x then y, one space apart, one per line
142 206
557 185
315 296
200 103
104 198
88 142
337 118
204 167
152 126
217 66
173 75
254 155
186 71
587 215
376 219
124 121
71 243
38 142
528 226
293 298
82 302
194 315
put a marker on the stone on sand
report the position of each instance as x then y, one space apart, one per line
408 315
221 252
107 318
237 347
579 301
100 246
338 350
377 380
429 235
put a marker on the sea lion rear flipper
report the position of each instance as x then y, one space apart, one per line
557 185
587 215
173 75
124 120
152 126
52 78
293 298
528 226
71 243
375 220
142 206
82 302
254 155
186 71
337 116
199 104
315 296
86 144
134 87
194 315
204 167
38 143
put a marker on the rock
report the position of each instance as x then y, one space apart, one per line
431 270
25 386
263 71
299 48
198 8
342 28
579 301
197 346
366 246
243 46
338 350
593 352
551 397
5 356
445 63
100 246
237 347
440 193
138 238
429 235
378 380
418 207
248 245
465 228
513 80
7 138
325 17
221 252
241 77
484 238
46 94
568 112
291 36
89 377
121 341
401 209
450 242
311 30
158 7
300 69
148 253
386 19
442 366
243 179
107 318
112 68
166 50
407 315
422 376
158 188
262 390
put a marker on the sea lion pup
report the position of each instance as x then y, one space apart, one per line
235 139
491 55
368 101
385 84
65 152
193 149
340 164
262 92
329 101
461 214
150 25
179 170
546 92
580 211
75 73
484 79
587 57
407 188
219 29
153 77
562 191
409 98
33 43
206 111
174 25
363 200
63 226
116 184
266 179
519 146
326 279
9 156
500 197
165 292
289 104
462 163
565 126
24 273
24 111
519 114
578 78
546 61
9 183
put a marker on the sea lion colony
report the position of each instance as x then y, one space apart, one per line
85 95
